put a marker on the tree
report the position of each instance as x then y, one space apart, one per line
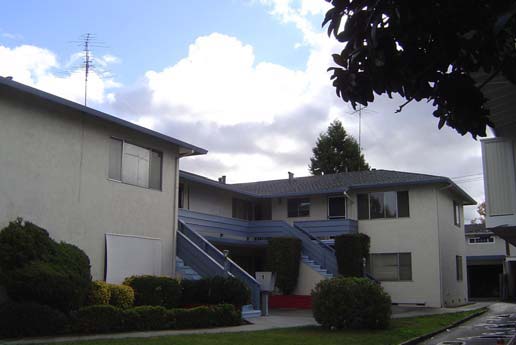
335 151
441 51
481 210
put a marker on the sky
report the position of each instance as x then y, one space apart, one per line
245 79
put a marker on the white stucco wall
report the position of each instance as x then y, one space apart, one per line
486 249
318 209
417 235
54 173
307 280
451 244
206 199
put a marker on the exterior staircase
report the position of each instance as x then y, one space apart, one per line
316 267
186 271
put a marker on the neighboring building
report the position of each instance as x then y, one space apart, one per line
498 156
99 182
486 260
415 223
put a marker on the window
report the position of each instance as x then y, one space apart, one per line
456 213
391 267
481 240
242 209
383 205
134 165
181 196
336 207
299 207
458 266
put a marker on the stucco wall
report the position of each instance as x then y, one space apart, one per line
417 235
205 199
307 280
54 172
318 209
486 249
451 244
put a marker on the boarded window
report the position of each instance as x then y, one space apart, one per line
115 159
336 207
299 207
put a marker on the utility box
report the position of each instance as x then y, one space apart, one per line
267 280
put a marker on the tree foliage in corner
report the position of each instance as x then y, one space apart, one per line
335 151
441 51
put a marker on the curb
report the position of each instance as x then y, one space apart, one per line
423 337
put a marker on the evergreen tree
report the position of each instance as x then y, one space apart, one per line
335 151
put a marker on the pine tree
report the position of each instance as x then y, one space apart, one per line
335 151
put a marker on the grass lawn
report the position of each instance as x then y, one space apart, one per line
399 331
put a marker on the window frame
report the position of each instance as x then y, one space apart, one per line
457 214
368 194
491 237
297 208
345 206
370 266
123 141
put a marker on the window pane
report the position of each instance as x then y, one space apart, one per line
390 200
135 165
292 207
115 159
405 266
384 266
403 204
377 209
456 213
304 208
363 206
242 209
181 196
337 207
298 207
155 170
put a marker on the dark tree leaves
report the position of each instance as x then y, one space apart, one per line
440 51
335 151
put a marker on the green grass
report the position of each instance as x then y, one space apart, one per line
399 331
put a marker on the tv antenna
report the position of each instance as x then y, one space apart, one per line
359 111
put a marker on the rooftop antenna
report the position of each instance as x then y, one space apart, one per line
359 112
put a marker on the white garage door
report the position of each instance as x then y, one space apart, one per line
131 255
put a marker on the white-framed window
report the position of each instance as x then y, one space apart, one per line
456 213
383 205
336 207
298 207
481 240
391 266
135 165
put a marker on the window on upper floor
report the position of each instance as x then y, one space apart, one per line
383 205
458 267
336 207
456 213
391 267
181 196
298 207
135 165
242 209
481 240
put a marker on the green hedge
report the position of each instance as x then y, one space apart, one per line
30 319
154 290
216 290
346 302
283 255
121 296
350 251
99 293
36 268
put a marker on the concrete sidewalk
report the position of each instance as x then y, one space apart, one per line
279 318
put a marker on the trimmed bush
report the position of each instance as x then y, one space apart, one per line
350 251
30 319
345 302
146 317
154 290
36 268
99 293
216 290
98 319
206 316
283 255
122 296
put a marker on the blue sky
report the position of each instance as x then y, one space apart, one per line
245 79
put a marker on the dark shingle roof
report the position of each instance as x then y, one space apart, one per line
475 228
331 183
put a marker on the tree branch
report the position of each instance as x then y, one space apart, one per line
403 105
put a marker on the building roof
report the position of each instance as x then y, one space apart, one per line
476 229
331 183
7 83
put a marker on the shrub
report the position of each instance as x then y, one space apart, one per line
99 293
215 290
30 319
98 319
206 316
36 268
122 296
154 290
283 255
350 251
146 317
351 303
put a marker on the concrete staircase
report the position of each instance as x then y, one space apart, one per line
186 271
313 265
248 312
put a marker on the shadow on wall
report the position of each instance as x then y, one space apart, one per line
3 295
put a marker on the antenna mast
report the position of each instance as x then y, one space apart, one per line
87 64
